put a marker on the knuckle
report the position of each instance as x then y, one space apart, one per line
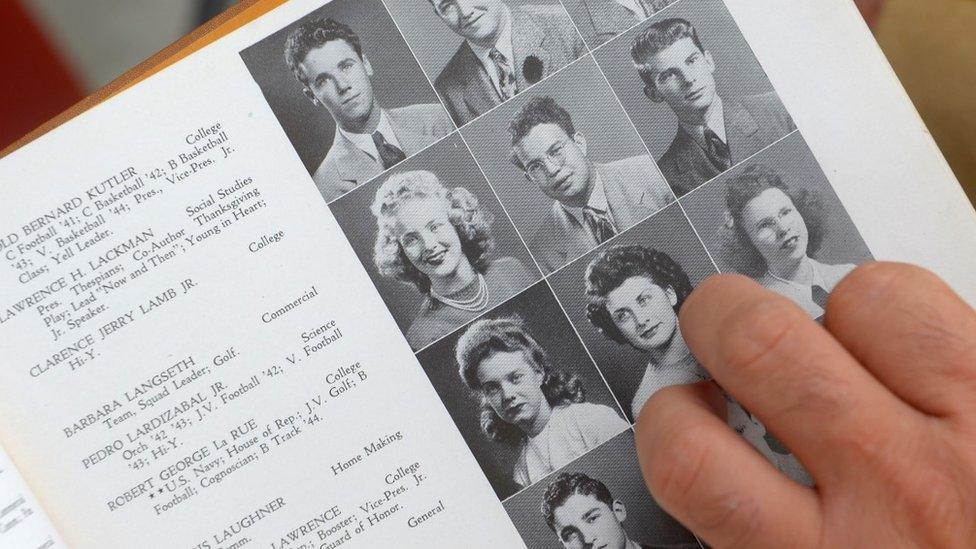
757 336
678 465
828 394
737 516
874 282
870 448
680 478
940 494
935 333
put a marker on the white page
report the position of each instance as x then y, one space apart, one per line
199 313
22 521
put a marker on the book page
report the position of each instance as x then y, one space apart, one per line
347 277
22 521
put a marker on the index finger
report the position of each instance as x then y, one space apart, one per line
785 368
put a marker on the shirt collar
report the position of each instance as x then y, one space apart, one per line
714 120
503 44
597 201
364 141
816 277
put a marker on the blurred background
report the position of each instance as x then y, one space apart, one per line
55 52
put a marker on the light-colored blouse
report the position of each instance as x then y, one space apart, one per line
657 376
573 430
825 276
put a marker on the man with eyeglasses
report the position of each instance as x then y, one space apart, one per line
592 202
713 135
505 50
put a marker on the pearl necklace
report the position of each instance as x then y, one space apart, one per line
476 303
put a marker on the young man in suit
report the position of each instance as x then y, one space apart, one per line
591 202
583 513
327 58
713 133
505 50
601 20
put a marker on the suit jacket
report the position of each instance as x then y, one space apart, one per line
634 190
345 166
545 33
751 124
601 20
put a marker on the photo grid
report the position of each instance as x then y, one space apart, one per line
534 187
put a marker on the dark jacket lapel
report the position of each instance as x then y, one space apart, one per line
480 94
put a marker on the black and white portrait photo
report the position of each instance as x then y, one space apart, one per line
348 93
567 165
601 20
777 219
435 242
598 500
695 91
481 53
625 298
522 390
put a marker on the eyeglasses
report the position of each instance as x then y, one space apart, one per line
538 169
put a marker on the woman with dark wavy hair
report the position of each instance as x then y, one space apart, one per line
526 402
635 295
438 240
771 233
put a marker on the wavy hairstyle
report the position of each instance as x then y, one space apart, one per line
657 37
473 225
609 270
737 247
567 485
538 110
486 337
313 34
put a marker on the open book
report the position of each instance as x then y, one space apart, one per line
370 273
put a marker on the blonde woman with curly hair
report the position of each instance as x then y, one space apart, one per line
438 240
527 402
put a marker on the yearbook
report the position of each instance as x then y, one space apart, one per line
403 273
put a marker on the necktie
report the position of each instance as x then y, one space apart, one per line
718 151
599 224
390 155
819 296
506 78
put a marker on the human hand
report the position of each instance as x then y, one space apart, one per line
879 404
